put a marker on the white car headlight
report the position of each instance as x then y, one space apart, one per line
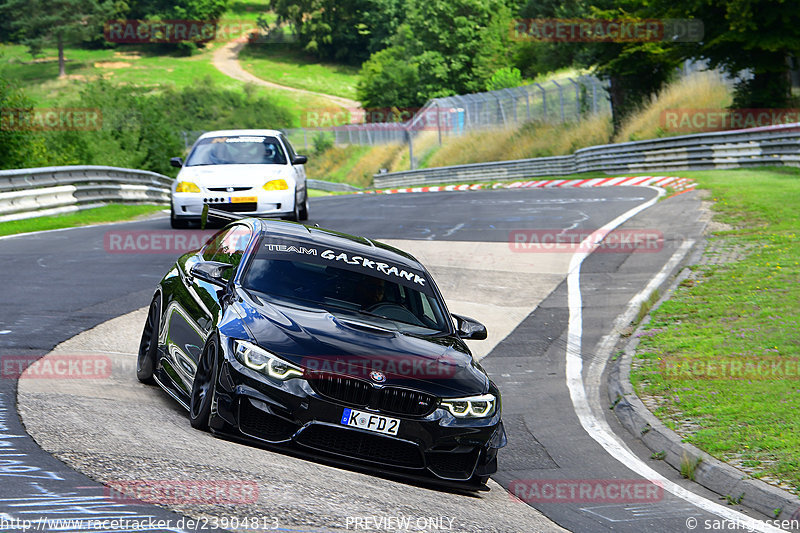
482 406
259 359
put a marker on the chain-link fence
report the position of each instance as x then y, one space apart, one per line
562 100
554 101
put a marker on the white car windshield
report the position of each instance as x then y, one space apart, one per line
237 150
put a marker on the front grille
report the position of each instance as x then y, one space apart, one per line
359 445
360 393
262 425
244 206
351 391
226 189
405 402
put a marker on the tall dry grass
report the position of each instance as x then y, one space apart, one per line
357 164
533 139
352 164
333 163
424 143
378 157
701 90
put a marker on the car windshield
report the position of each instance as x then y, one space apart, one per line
237 150
346 286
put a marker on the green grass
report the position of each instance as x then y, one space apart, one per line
287 65
745 313
138 65
108 213
248 10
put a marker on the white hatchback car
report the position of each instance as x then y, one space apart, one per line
253 172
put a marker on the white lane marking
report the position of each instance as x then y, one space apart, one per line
599 431
583 217
5 332
632 513
453 229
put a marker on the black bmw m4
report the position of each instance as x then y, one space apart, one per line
330 345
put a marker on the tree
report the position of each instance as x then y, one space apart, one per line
634 70
343 30
62 22
199 10
756 36
444 47
388 80
458 44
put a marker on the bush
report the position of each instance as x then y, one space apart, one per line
206 107
504 78
185 48
15 144
139 129
321 141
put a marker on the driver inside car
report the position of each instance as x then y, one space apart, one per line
252 153
371 292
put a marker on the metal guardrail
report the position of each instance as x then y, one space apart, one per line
330 186
32 192
773 145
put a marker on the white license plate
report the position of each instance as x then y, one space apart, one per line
370 421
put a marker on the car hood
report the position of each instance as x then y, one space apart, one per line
347 344
253 176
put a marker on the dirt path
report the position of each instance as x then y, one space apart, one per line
226 61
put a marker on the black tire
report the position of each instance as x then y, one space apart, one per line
175 222
304 208
148 346
204 386
295 215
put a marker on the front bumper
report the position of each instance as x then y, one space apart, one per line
189 206
293 414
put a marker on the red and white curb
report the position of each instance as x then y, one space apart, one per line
676 183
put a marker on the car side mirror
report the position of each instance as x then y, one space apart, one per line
176 162
299 160
211 272
469 328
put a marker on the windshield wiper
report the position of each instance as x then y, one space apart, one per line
397 321
367 313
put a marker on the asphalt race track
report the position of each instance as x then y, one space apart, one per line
62 283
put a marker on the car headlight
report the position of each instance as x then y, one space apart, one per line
276 185
187 186
473 407
259 359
